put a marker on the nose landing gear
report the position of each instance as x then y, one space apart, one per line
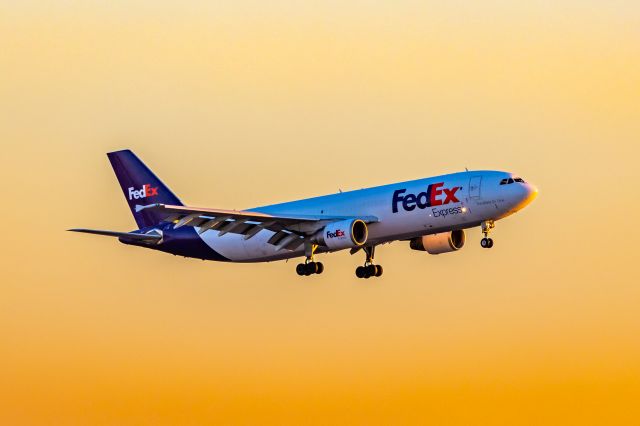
310 267
487 226
486 242
369 269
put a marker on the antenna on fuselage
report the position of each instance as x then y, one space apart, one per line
466 169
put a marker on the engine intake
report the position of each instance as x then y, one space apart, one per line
343 234
443 242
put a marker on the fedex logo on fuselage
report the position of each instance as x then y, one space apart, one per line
144 192
435 195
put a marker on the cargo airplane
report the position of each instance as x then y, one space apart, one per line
431 214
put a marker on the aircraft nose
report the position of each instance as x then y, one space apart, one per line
530 192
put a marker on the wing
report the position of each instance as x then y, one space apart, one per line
289 231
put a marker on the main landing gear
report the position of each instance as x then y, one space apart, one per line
310 267
487 226
369 269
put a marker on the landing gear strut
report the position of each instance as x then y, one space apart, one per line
369 269
310 266
487 226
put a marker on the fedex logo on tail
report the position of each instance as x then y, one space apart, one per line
144 192
435 195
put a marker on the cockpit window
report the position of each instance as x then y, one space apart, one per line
507 181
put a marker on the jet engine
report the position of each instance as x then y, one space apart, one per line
342 234
439 243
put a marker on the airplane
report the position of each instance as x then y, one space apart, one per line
431 214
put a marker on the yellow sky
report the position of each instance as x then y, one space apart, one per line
249 103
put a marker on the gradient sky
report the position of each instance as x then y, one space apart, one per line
246 103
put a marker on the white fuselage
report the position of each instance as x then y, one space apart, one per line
404 210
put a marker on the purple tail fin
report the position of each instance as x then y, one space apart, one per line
140 186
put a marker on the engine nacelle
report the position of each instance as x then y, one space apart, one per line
439 243
343 234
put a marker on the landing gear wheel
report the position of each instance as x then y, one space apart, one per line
319 268
301 269
371 271
486 243
378 271
361 272
310 268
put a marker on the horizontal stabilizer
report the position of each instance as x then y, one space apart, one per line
152 237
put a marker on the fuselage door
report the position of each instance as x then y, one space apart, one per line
474 186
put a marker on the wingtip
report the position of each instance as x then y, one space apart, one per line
81 230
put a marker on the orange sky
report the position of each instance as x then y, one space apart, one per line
251 103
